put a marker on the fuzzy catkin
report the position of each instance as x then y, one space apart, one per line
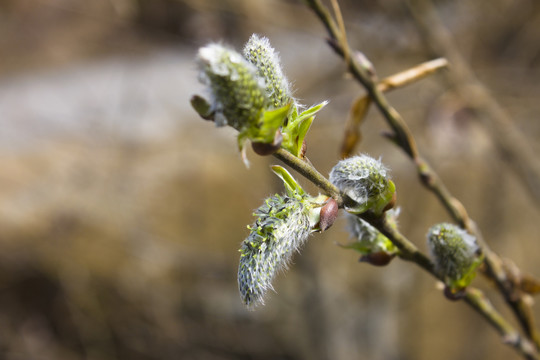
260 53
238 95
361 178
281 228
453 250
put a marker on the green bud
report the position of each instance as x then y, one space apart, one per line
368 241
456 254
365 181
238 98
237 93
260 53
282 227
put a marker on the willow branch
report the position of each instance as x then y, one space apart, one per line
477 300
408 251
309 172
403 137
510 142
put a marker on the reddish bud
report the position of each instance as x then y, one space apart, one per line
303 150
454 295
380 258
264 149
329 213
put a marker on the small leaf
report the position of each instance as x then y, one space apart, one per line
273 120
297 127
312 110
289 181
303 128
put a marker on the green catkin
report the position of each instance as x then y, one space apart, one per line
455 253
360 177
281 228
238 96
260 53
365 181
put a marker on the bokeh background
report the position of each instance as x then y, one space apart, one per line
121 211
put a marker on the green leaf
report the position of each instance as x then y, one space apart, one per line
291 185
270 122
297 127
312 110
274 119
303 128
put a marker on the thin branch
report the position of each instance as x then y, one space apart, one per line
360 107
513 146
408 251
412 75
476 299
403 137
309 172
510 142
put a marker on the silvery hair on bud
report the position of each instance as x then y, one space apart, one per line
281 228
452 248
260 53
360 177
237 93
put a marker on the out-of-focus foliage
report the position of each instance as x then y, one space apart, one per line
121 212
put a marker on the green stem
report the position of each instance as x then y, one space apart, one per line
408 251
309 172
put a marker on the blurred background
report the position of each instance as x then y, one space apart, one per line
121 211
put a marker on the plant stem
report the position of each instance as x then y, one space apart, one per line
408 251
403 137
513 146
476 299
309 172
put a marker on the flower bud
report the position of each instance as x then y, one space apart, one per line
365 181
328 214
380 258
260 53
376 249
237 93
264 149
282 227
456 255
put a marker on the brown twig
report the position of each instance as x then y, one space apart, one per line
476 299
412 75
510 142
408 251
403 137
359 109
